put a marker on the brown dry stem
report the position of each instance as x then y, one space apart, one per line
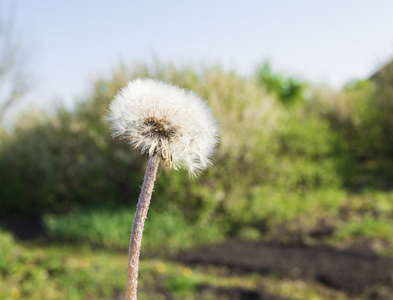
137 227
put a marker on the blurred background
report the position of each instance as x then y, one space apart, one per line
303 92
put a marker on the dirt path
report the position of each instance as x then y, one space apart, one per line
354 273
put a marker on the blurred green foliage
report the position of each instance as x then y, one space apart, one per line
268 149
110 227
292 158
287 90
7 250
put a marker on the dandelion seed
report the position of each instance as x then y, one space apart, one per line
162 119
163 122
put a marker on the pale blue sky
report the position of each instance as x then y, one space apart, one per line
321 41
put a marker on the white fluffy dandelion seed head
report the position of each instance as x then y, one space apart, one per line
161 119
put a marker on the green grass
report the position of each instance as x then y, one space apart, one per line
7 250
367 227
281 206
354 216
80 270
365 217
165 232
63 272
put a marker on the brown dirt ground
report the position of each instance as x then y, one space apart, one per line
352 272
24 228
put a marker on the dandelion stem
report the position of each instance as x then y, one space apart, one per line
137 227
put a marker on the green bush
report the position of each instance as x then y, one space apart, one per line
382 112
61 163
69 160
361 113
287 90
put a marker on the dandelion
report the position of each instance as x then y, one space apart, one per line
163 122
84 262
15 293
186 272
161 267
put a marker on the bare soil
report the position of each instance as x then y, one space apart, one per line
235 293
349 271
24 228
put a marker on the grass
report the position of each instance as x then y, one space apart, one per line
63 270
369 228
346 216
367 215
76 272
165 232
283 207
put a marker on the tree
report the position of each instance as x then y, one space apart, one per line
13 75
286 89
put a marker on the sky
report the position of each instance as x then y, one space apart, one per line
70 43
